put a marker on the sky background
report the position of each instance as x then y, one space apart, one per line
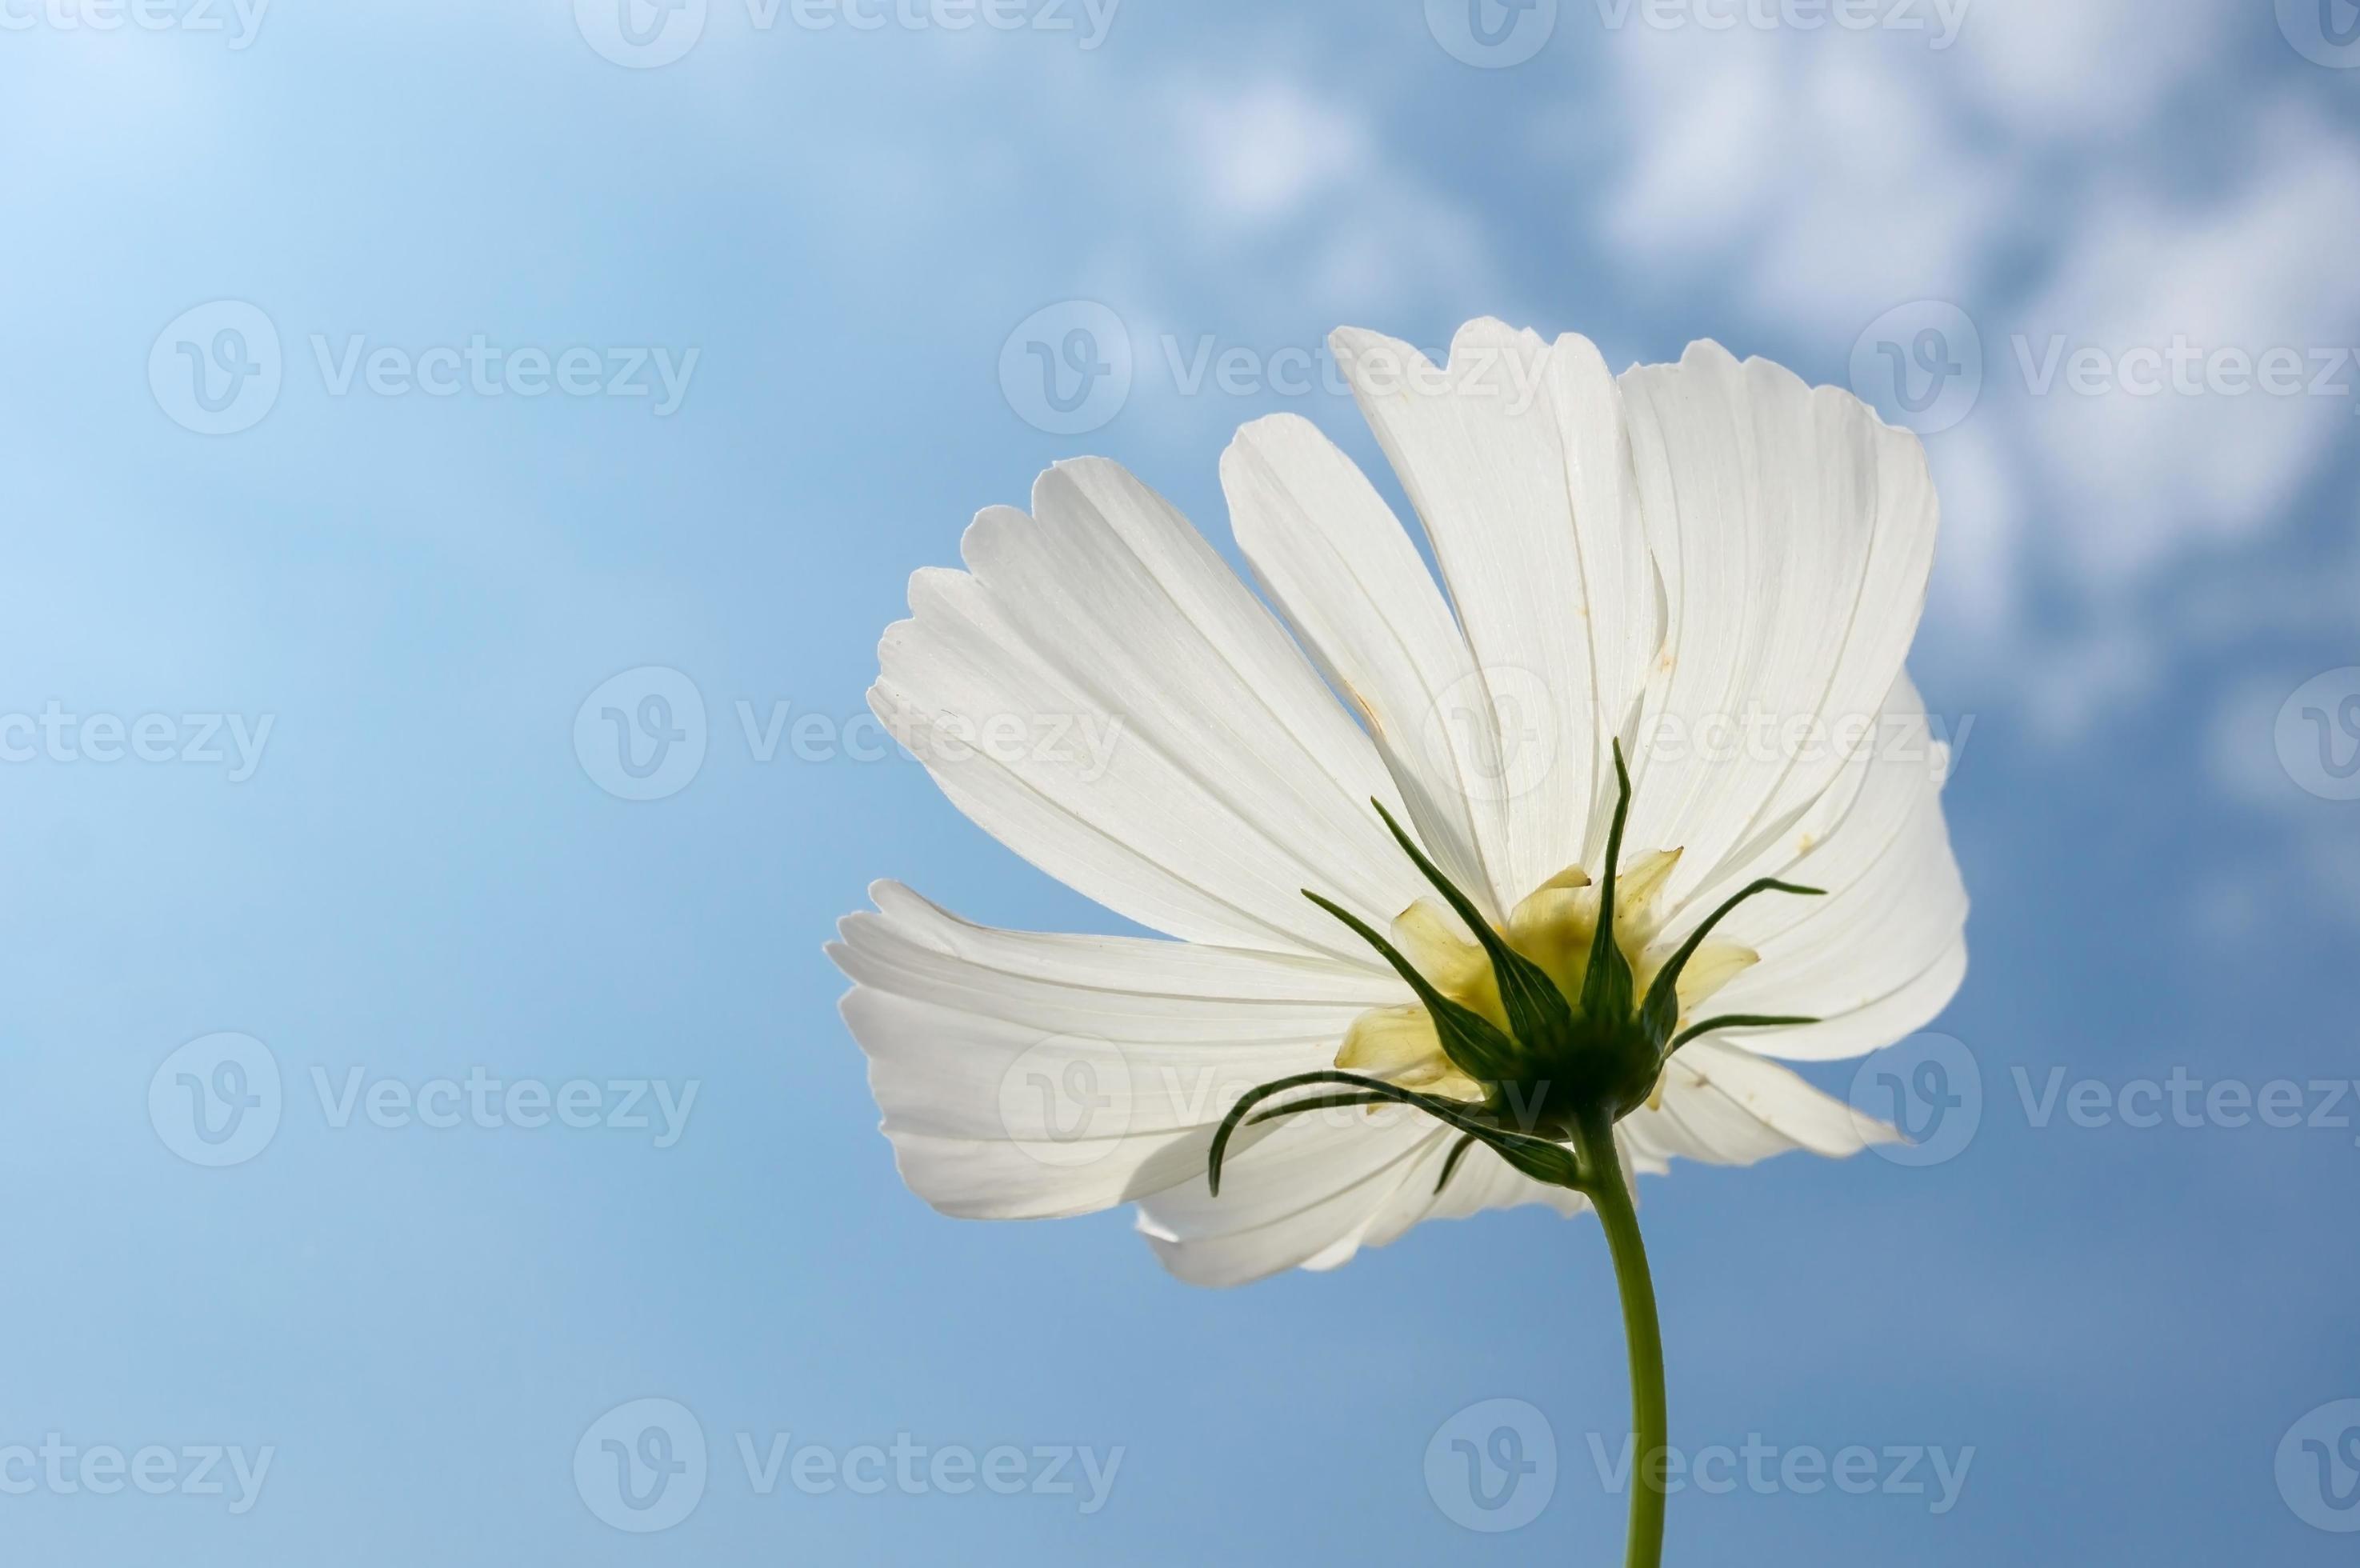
416 873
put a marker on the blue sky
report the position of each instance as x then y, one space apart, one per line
290 721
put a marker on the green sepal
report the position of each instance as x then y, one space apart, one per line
1318 1102
1663 1007
1550 1164
1606 988
1474 1044
1515 1148
1732 1021
1538 1011
1450 1166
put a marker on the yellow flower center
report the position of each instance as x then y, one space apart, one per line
1554 926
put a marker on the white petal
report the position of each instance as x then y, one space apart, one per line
1725 1106
1882 953
1336 562
1304 1197
1516 458
1234 781
1794 531
1026 1075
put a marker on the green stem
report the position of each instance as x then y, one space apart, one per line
1602 1170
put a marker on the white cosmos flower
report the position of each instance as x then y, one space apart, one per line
1710 563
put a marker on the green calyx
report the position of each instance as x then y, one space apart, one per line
1563 1064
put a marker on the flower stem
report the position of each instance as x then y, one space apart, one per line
1602 1180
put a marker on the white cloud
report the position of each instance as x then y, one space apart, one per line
1824 181
1819 180
2073 68
2263 266
1263 152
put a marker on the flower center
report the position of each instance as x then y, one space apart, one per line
1532 1037
1556 927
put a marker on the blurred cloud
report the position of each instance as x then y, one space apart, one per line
2255 268
1820 180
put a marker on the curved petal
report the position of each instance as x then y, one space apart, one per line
1884 951
1725 1105
1025 1075
1332 556
1517 459
1304 1197
1104 696
1794 531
